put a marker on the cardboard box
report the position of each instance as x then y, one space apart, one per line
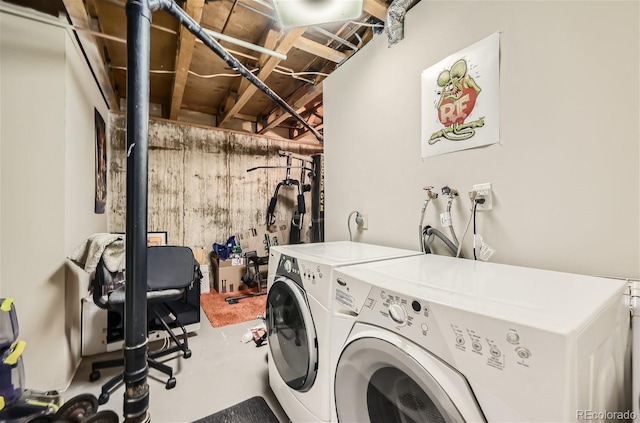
200 255
229 277
260 238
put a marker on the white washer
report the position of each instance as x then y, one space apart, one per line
298 321
441 339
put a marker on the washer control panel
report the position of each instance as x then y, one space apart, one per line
448 332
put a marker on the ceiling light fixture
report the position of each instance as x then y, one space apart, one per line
293 13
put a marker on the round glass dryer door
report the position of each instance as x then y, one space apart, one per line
291 334
378 382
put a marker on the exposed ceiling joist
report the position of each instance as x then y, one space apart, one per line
78 16
376 8
186 44
269 41
248 118
307 132
185 81
279 116
320 50
283 47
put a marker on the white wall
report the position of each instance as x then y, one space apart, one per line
82 98
46 204
565 174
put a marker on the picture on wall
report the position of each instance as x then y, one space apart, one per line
155 239
461 100
101 164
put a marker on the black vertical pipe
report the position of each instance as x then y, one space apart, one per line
317 199
136 396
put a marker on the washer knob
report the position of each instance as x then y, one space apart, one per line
288 266
513 337
397 314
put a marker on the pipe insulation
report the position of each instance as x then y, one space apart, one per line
395 20
192 26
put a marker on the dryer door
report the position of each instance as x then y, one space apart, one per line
383 378
291 334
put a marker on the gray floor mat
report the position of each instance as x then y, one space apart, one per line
253 410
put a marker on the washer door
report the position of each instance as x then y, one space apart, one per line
291 334
392 380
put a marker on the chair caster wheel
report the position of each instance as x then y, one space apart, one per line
171 383
187 354
95 375
103 398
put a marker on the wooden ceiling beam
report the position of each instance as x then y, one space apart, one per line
320 50
283 47
376 8
302 134
186 45
367 36
260 7
269 40
247 118
79 18
279 116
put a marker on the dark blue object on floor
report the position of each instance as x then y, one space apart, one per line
253 410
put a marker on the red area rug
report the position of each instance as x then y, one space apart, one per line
220 313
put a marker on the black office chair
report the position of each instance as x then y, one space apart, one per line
170 271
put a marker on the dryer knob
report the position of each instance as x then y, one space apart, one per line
398 314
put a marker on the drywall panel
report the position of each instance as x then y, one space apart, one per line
82 98
565 174
33 194
200 192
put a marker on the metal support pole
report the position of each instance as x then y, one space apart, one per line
317 199
136 396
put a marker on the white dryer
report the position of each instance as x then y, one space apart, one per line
298 321
440 339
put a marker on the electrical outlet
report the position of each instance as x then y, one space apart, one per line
484 192
365 222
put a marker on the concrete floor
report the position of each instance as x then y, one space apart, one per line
221 372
